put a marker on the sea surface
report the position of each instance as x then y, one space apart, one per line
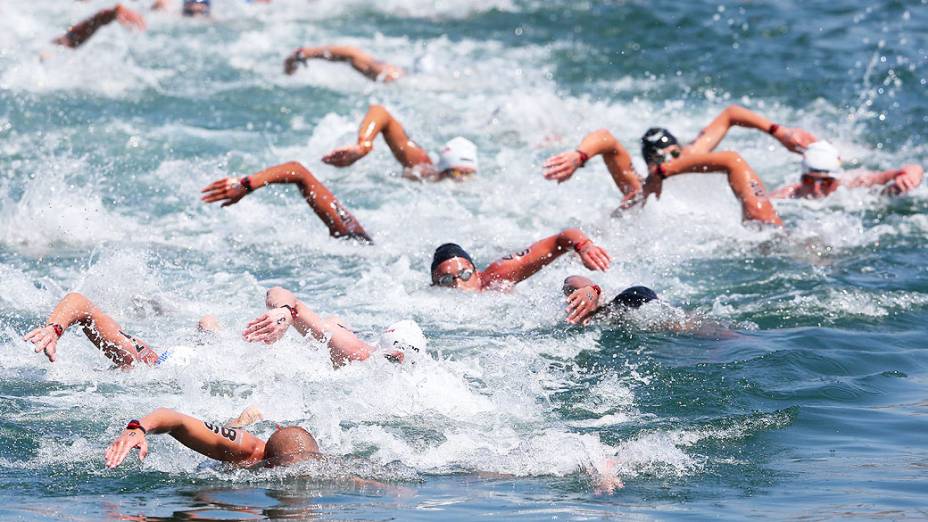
807 399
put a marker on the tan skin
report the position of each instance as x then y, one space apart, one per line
344 345
360 60
414 159
822 184
340 222
79 33
104 332
507 272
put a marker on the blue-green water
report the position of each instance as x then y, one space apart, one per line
814 408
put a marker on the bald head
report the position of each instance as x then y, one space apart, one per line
289 446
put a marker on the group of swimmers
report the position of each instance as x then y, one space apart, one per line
452 267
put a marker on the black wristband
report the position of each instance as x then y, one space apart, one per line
292 310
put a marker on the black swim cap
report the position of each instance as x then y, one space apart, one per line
653 141
449 251
634 297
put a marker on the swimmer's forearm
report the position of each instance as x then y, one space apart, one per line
600 142
81 32
278 296
742 117
376 121
569 238
73 308
215 442
290 172
162 420
708 162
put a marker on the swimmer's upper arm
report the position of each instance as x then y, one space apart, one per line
217 442
519 266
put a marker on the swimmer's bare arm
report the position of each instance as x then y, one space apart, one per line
744 183
786 192
617 159
360 60
794 139
81 32
583 298
378 120
213 441
100 328
337 218
520 266
900 180
344 345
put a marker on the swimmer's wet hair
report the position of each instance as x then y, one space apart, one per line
289 446
655 140
449 251
634 297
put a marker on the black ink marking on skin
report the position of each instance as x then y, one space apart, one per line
510 257
227 433
758 189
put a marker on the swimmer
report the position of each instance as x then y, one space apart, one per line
78 34
337 218
452 267
189 7
105 333
822 175
285 446
284 310
457 159
360 60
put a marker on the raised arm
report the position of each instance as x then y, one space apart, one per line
583 298
378 120
794 139
211 440
81 32
329 209
360 60
744 183
518 267
598 143
900 180
285 310
101 329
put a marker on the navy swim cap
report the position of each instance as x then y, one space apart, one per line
655 140
194 7
449 251
634 297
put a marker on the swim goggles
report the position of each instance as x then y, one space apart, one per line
448 279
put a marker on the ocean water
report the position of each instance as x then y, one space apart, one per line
808 402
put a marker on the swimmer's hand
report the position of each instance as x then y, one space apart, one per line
595 257
653 184
795 139
129 18
561 167
294 60
45 339
344 156
268 328
120 448
908 178
581 304
227 190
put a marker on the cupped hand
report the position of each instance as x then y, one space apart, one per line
120 448
227 190
562 166
595 257
45 340
344 156
653 184
268 328
581 304
129 18
905 181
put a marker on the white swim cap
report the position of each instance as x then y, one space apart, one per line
458 153
403 335
821 155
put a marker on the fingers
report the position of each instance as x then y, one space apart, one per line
50 352
33 334
143 449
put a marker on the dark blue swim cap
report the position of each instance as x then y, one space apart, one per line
655 140
195 7
634 297
449 251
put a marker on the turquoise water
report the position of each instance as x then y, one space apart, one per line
814 406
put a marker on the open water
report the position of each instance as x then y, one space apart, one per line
813 407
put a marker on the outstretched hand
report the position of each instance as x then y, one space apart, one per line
120 448
268 328
562 166
227 190
581 304
294 60
794 138
45 339
344 156
595 257
906 180
129 18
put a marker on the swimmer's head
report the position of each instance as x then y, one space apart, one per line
657 144
453 267
403 335
458 158
289 446
633 297
820 158
196 7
